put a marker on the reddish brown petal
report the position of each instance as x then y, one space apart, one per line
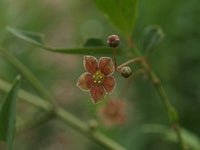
109 83
90 64
106 65
85 81
97 93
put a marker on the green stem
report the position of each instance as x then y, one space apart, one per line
134 60
66 117
114 58
26 73
29 124
170 110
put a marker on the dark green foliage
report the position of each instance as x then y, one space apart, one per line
122 14
92 42
8 115
152 36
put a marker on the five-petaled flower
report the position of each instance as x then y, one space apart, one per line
113 113
97 79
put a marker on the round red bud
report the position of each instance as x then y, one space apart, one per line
113 40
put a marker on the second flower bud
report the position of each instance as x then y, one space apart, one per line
126 71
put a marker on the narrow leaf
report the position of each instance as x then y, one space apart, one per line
85 50
37 39
122 14
32 37
93 42
26 72
152 36
8 114
192 140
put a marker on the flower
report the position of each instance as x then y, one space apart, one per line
97 79
113 113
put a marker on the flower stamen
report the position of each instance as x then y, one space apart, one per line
98 77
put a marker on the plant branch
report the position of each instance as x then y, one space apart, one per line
24 125
114 57
26 73
170 110
140 60
66 117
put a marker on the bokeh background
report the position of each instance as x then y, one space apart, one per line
69 23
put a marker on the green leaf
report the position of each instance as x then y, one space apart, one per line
85 51
8 114
92 42
37 39
192 140
32 37
152 36
122 14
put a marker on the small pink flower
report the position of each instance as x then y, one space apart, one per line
113 113
97 79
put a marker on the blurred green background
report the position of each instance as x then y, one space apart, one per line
69 24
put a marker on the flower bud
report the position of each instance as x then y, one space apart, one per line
126 71
113 40
93 124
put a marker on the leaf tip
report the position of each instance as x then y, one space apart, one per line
18 78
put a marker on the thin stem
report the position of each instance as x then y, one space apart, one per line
131 61
66 117
171 111
26 73
28 124
114 57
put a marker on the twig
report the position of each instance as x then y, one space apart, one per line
171 111
114 58
29 124
26 73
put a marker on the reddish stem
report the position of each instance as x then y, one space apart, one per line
114 58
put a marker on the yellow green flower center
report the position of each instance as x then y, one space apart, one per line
98 77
